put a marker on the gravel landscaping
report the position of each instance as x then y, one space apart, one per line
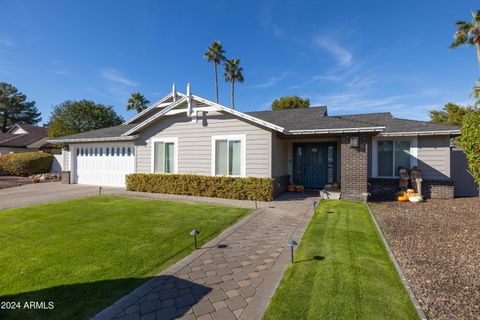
437 244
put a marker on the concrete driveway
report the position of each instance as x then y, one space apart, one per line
43 193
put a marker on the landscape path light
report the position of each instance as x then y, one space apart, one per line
292 244
194 233
315 204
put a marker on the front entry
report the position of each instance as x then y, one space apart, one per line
314 164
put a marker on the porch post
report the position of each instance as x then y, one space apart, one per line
354 166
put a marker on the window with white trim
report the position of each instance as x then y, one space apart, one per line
164 156
391 155
228 155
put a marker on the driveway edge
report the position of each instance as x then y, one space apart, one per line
405 282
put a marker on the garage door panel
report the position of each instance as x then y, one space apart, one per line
95 166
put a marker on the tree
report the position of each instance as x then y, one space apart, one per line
137 102
451 114
72 117
15 109
476 93
468 34
471 142
232 73
215 53
290 102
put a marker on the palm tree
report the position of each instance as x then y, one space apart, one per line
468 34
232 73
137 102
476 94
215 53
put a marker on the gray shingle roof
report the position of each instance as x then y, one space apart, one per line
316 118
33 135
393 124
111 132
304 119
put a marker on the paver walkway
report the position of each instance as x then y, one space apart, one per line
232 277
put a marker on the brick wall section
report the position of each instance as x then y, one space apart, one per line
280 185
386 189
353 167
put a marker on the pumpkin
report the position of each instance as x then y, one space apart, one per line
410 190
299 188
402 198
291 188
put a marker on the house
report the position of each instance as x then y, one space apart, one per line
184 133
24 138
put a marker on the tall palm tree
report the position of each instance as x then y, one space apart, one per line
215 53
232 73
468 34
137 102
476 94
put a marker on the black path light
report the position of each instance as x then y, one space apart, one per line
315 204
292 244
194 233
255 199
100 191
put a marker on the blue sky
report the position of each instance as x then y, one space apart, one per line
353 56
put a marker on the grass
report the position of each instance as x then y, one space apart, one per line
342 271
85 254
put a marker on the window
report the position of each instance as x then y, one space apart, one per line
123 151
129 151
107 151
164 155
391 155
228 156
101 152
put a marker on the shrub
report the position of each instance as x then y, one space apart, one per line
471 142
3 159
27 163
203 186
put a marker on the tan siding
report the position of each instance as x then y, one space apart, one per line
434 157
195 143
279 156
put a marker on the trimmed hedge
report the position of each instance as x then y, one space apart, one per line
3 159
26 163
203 186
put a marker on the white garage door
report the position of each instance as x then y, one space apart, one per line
103 165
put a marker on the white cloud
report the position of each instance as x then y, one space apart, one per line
342 55
117 76
270 82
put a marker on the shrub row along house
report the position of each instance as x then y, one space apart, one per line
187 134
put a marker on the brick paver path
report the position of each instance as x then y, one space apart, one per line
232 277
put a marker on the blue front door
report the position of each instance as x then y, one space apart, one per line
314 164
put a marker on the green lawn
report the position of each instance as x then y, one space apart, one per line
342 271
85 254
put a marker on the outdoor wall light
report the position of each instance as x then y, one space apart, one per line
194 233
292 244
355 142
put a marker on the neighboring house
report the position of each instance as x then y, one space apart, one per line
24 138
188 134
